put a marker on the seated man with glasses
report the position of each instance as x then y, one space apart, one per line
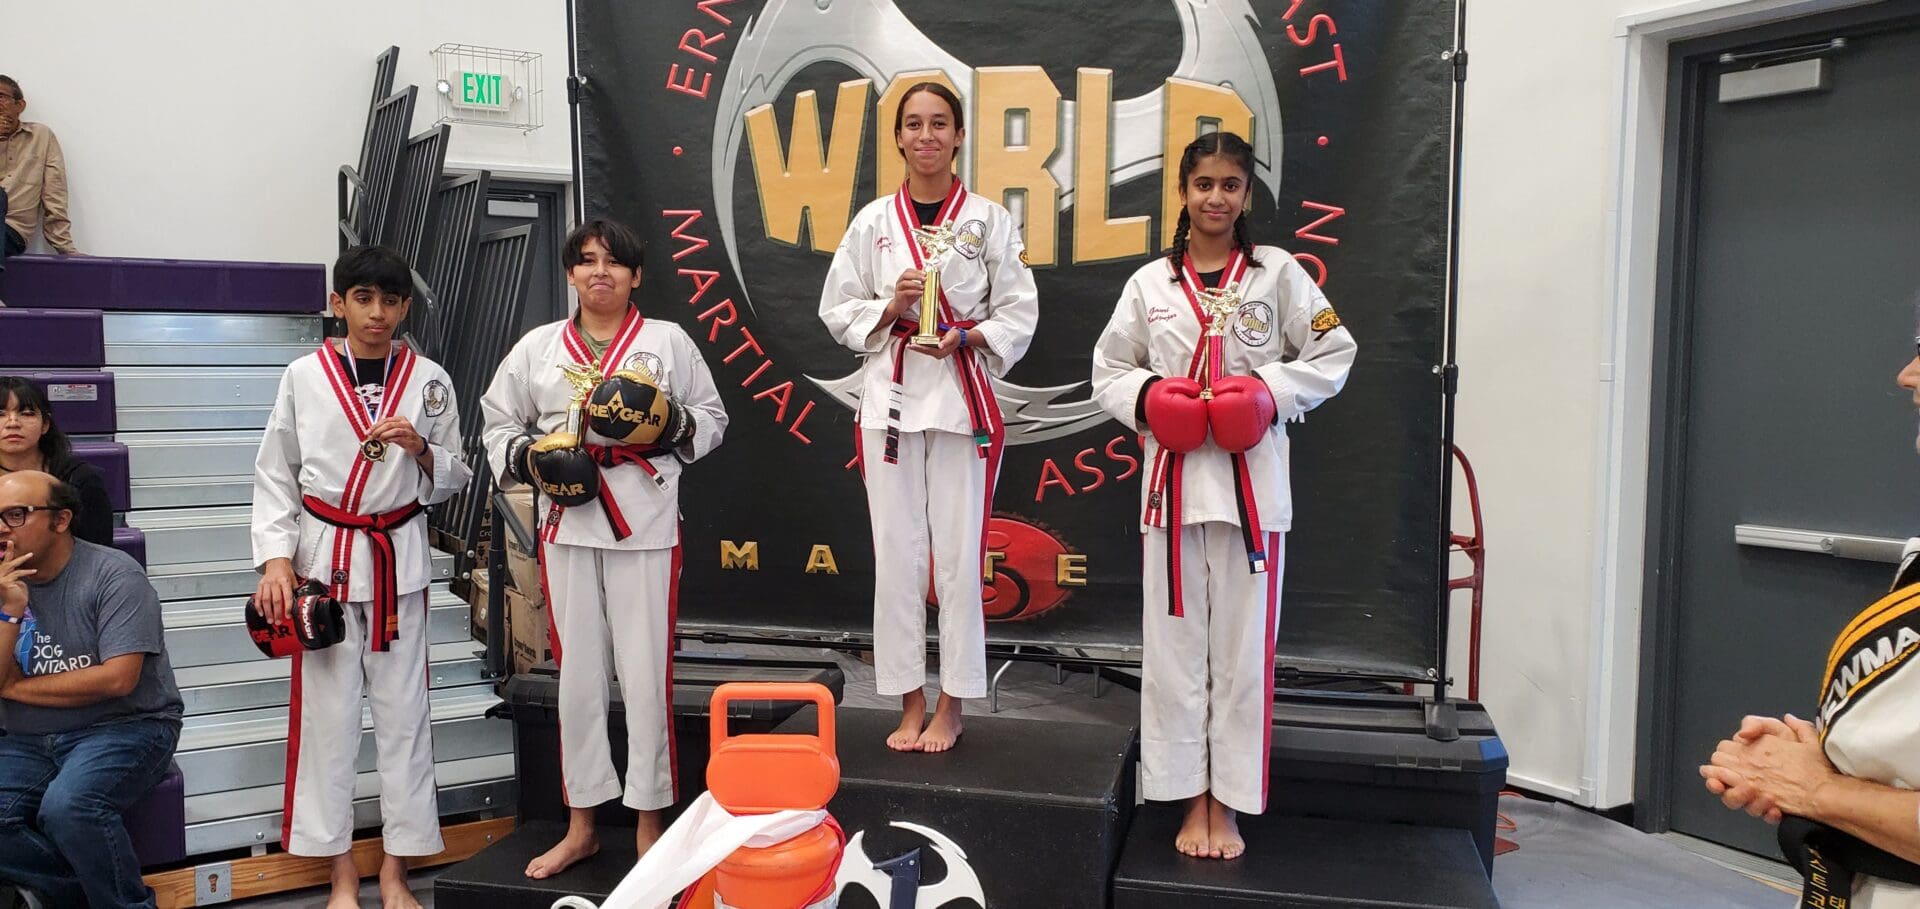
91 711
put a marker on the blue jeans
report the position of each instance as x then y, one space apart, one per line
61 801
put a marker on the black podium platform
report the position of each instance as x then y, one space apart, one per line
532 700
1038 808
496 878
1303 863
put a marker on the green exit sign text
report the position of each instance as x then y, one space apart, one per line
486 91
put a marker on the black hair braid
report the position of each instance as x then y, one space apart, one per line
1241 240
1178 254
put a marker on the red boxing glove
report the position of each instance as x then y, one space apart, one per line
1176 415
1240 412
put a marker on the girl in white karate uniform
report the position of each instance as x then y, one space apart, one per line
930 432
1208 354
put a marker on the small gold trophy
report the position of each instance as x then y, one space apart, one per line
1221 304
583 379
935 242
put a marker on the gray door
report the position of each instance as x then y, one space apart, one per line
1795 271
511 204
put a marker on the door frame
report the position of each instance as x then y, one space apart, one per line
1651 295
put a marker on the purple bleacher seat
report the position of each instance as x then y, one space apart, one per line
131 541
82 401
163 285
50 338
110 458
157 823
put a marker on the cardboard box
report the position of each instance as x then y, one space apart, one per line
477 585
523 572
521 502
527 622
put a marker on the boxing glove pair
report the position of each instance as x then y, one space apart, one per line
1238 414
314 622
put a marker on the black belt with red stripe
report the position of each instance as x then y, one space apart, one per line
971 386
384 627
608 456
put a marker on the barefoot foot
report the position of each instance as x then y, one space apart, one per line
571 848
1192 840
1223 830
344 875
913 720
646 832
394 891
944 729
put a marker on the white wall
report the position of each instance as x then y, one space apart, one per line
214 128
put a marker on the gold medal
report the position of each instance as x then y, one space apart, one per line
373 450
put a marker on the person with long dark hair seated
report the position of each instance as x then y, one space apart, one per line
30 440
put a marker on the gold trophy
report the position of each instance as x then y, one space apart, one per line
1220 304
934 242
583 379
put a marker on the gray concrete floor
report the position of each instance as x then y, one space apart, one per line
1568 858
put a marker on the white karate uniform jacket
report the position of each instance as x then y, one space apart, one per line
529 390
311 448
1154 332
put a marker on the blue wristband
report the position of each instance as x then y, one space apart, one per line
963 338
12 619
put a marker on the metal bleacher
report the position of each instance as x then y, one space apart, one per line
192 386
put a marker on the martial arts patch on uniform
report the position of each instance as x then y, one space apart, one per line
1253 324
435 396
647 363
970 238
1325 321
1879 641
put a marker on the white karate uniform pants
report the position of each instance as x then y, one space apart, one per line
612 614
1206 693
325 745
931 503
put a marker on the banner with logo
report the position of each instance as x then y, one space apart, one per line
739 136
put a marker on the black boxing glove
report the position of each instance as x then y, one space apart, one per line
519 463
563 471
314 622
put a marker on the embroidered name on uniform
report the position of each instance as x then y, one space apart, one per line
1881 639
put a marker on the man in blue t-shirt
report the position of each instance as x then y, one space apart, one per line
91 711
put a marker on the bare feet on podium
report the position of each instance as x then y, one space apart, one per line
1195 836
646 832
344 875
944 729
913 719
1223 829
394 892
579 843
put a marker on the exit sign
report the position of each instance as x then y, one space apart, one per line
484 91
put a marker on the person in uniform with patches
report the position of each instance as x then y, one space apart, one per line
930 433
600 413
1208 354
363 437
1841 786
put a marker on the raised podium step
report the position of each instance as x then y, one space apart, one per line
1302 863
497 879
201 339
1033 810
165 285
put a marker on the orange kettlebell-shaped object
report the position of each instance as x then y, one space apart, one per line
761 774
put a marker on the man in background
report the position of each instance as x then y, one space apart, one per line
33 179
